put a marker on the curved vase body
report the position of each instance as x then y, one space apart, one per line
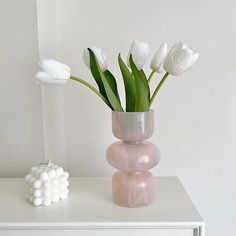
133 184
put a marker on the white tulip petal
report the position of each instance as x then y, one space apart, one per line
53 73
194 59
179 59
100 56
44 79
139 52
179 45
86 58
55 69
160 69
157 60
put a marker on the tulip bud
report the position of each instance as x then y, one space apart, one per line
139 52
52 72
179 59
100 56
158 59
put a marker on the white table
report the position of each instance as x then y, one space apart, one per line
89 211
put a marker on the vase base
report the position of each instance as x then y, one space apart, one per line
133 189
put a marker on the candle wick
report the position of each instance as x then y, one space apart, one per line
45 163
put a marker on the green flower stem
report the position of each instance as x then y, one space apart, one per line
158 88
150 76
91 87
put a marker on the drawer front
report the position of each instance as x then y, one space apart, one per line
101 232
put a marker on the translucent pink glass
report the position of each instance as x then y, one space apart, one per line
133 184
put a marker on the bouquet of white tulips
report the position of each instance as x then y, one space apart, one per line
137 90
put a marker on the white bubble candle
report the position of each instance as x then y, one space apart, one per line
46 184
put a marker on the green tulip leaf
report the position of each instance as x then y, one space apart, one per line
112 82
96 76
142 98
115 104
129 84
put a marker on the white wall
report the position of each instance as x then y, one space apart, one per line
21 130
195 113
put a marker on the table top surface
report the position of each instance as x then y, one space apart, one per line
90 204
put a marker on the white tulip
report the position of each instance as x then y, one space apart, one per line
100 56
139 52
52 72
179 59
158 59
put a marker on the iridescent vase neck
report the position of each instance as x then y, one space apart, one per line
133 126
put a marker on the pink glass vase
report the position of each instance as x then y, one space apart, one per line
133 184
